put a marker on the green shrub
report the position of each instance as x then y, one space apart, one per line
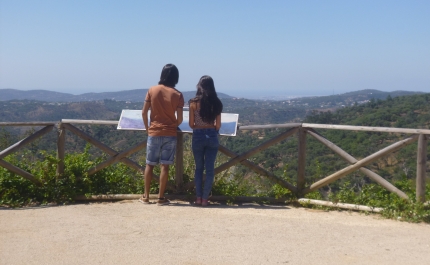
16 191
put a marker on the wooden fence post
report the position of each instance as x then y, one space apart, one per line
179 161
60 148
301 162
421 168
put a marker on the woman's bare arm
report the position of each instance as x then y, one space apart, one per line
218 122
191 116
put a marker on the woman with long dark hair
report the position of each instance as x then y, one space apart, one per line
205 120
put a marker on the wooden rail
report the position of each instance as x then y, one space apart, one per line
291 129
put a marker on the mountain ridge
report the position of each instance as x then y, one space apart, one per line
137 95
134 95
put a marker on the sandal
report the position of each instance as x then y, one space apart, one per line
198 201
205 202
162 201
144 200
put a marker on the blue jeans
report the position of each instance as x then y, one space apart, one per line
205 148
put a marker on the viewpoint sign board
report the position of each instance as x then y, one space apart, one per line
132 120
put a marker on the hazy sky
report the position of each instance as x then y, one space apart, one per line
250 48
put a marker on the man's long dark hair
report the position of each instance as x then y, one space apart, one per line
169 75
210 104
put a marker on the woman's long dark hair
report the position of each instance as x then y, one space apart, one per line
210 104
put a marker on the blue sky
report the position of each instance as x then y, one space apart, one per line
250 48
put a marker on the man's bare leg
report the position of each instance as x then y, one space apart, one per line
148 177
164 176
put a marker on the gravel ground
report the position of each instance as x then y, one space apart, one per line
129 232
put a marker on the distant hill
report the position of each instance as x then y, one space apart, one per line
54 105
135 95
347 99
191 94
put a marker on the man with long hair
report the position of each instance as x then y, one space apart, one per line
164 101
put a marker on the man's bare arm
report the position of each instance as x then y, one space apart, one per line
145 109
180 115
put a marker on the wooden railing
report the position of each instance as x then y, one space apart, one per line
291 129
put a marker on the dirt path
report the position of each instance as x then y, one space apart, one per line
128 232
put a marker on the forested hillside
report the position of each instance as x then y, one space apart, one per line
281 159
402 112
250 112
29 110
405 111
350 98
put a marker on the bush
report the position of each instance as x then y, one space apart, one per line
17 191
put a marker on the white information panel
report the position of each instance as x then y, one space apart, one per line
132 120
